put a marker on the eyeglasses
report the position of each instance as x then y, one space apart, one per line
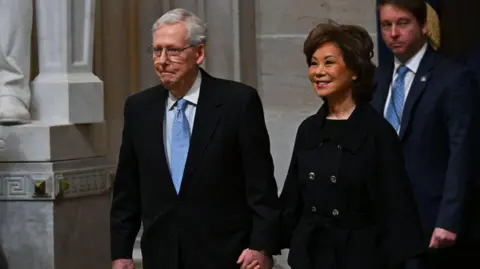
169 52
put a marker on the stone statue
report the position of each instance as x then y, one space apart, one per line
16 18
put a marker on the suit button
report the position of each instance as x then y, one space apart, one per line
314 209
339 147
333 179
311 175
335 212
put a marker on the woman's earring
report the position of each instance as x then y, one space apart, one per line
354 77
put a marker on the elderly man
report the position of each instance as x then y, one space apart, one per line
195 165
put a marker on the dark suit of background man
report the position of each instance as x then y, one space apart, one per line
195 165
430 101
473 62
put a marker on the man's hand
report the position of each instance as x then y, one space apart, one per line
442 238
252 259
123 264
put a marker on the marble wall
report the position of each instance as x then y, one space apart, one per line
114 60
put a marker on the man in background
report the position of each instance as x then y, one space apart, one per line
431 102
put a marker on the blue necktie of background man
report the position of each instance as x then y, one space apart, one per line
397 99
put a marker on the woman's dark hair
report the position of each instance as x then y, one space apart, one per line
356 47
418 8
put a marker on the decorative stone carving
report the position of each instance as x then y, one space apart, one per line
34 184
15 43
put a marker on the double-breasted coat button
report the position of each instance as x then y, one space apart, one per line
311 175
333 179
335 212
314 209
339 147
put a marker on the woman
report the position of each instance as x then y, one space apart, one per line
347 199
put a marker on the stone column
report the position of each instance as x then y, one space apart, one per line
232 51
66 91
54 177
231 45
149 12
15 30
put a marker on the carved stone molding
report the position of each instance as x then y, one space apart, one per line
85 182
55 185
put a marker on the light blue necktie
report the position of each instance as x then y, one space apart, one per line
180 143
397 99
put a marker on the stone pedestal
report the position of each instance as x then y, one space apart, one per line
41 142
55 214
54 177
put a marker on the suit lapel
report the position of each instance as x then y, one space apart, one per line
206 121
418 86
155 120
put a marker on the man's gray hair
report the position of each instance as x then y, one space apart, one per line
197 29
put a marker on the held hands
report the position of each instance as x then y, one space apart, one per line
123 264
253 259
442 238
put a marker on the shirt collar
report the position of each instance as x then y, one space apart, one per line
192 95
414 62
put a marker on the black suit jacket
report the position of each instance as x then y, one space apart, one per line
438 133
228 199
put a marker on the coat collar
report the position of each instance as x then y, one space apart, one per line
207 117
351 137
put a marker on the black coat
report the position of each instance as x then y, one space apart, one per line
347 201
228 198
